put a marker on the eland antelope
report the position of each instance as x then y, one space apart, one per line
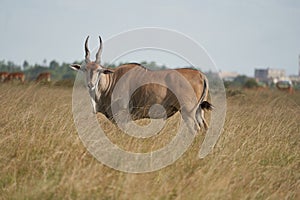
184 89
3 76
15 76
46 76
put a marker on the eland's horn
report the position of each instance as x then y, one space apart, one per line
98 55
87 52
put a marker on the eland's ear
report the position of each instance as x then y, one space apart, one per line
75 67
107 71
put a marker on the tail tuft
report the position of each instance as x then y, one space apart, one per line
206 105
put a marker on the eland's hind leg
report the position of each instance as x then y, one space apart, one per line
205 105
190 120
200 118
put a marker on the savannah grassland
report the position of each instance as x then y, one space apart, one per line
42 157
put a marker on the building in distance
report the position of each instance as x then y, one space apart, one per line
270 76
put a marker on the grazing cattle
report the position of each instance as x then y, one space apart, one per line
3 76
184 90
15 76
44 76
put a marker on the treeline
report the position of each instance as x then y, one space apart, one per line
243 81
63 72
58 71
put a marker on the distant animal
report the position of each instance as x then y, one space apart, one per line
3 76
15 76
44 76
285 86
189 85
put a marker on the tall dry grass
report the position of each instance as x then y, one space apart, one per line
42 157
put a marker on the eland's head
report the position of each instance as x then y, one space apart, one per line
92 69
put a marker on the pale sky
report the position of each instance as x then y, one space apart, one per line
239 35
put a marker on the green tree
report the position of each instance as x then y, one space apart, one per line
251 83
241 79
53 65
25 65
45 62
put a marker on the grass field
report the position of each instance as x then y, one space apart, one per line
42 157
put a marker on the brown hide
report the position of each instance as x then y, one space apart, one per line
164 88
3 76
46 76
15 76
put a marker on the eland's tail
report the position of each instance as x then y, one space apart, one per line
203 103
